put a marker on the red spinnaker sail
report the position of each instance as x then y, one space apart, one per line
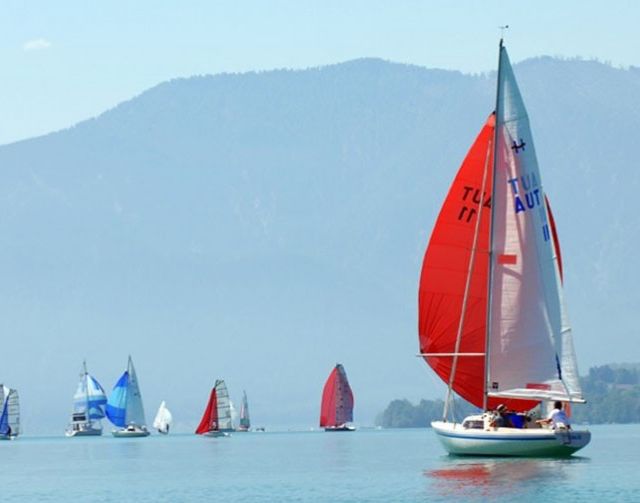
337 399
445 269
209 419
444 275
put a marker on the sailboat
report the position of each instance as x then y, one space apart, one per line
163 419
216 420
245 423
124 406
492 318
9 413
336 409
88 407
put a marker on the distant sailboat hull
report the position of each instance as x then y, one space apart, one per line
84 432
131 432
344 427
215 434
540 442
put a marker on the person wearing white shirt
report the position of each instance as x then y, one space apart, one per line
557 418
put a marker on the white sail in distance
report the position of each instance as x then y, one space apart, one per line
163 419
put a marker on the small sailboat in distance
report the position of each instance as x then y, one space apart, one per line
336 409
124 406
88 407
216 420
492 318
163 419
245 423
9 413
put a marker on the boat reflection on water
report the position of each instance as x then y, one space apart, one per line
488 478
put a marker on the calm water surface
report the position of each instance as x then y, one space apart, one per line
377 466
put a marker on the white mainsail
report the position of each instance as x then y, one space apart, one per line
530 347
225 422
135 409
245 422
163 419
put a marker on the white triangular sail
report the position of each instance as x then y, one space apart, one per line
163 418
135 409
530 347
225 422
245 421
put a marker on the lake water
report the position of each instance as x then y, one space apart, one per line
368 465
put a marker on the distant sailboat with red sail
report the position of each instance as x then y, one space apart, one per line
216 419
336 409
492 319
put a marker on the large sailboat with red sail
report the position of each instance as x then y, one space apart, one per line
216 419
336 409
492 318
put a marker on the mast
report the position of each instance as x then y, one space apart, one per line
491 225
87 418
128 392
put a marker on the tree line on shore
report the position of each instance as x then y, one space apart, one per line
612 392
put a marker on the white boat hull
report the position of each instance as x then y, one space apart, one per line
89 432
8 437
216 433
534 442
343 427
131 432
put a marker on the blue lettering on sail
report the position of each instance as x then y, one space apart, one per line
526 193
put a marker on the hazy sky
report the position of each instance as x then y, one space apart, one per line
68 60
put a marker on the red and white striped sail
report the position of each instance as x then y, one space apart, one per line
530 352
336 408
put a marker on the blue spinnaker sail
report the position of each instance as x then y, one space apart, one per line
117 402
90 398
96 398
